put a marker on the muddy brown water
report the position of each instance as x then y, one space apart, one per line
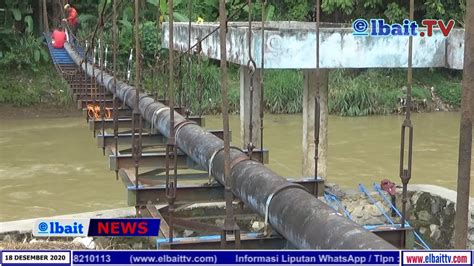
53 166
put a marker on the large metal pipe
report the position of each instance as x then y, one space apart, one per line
297 215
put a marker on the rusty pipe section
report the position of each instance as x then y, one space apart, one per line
297 215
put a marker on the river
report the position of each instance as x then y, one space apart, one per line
53 166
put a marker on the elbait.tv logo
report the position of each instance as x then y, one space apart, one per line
61 227
379 28
96 227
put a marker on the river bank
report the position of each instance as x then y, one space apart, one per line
40 111
351 92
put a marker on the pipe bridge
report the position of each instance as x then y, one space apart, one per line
300 217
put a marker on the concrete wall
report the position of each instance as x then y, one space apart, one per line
432 210
291 45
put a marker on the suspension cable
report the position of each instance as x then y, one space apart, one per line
115 99
157 53
199 79
102 88
405 170
101 14
170 147
179 78
105 56
136 116
92 36
93 82
317 110
229 223
251 71
86 78
190 61
232 16
262 67
129 65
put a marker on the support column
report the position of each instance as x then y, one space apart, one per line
245 107
309 92
461 219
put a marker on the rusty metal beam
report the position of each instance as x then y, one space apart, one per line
158 159
126 122
149 159
248 241
258 241
95 125
147 138
195 189
156 194
122 112
305 221
126 139
187 193
83 96
82 103
126 112
402 238
152 212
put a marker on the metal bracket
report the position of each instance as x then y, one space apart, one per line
212 159
155 115
271 196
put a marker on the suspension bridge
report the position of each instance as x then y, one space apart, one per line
167 160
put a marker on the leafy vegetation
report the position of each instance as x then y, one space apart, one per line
446 84
450 93
28 77
26 87
283 91
352 93
19 47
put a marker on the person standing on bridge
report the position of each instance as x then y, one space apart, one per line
58 38
72 19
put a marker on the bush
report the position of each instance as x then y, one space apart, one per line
201 93
18 95
446 84
450 93
366 93
26 87
283 91
26 53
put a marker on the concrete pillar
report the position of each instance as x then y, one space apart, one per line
309 92
461 220
245 107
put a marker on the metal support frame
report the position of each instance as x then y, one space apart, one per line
195 189
147 138
126 122
82 103
247 241
149 159
253 182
